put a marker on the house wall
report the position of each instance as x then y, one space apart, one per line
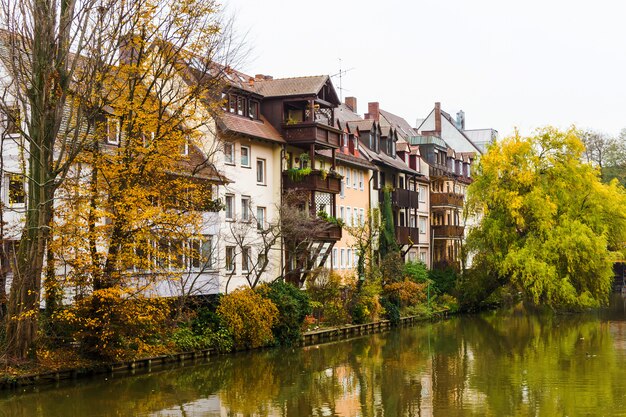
243 183
353 205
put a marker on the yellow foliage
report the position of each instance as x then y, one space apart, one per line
248 317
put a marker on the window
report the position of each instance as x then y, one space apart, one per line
348 219
260 171
205 258
333 258
253 110
113 130
17 193
241 105
232 103
342 213
184 147
13 121
261 260
245 209
260 218
230 207
342 193
423 257
229 153
422 225
361 180
245 156
348 258
354 179
348 172
355 258
230 258
422 194
361 217
245 258
342 258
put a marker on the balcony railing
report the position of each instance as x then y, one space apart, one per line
329 232
446 199
407 235
311 132
403 198
447 231
316 180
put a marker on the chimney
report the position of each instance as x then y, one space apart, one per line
251 82
350 102
259 77
373 111
460 120
438 118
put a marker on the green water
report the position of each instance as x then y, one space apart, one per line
497 364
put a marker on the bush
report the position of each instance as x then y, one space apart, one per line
405 293
392 268
416 271
444 280
334 298
248 317
392 311
366 306
110 325
187 341
293 306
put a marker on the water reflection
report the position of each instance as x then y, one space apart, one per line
495 364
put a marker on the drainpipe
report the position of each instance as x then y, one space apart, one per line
280 174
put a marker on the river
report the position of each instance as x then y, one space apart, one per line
494 364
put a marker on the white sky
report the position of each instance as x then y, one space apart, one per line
524 63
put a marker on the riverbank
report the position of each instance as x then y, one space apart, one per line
147 365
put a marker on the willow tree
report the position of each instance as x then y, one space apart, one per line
60 56
549 227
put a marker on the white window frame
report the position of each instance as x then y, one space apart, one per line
348 259
361 217
229 160
361 180
232 266
260 217
263 171
113 121
246 258
333 258
342 258
241 156
230 197
354 179
348 219
348 174
342 213
245 208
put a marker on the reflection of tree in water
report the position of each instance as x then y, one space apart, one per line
494 364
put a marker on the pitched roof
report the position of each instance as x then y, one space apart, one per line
296 86
363 125
348 158
260 129
344 114
403 127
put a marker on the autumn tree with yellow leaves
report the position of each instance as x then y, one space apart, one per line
119 98
549 227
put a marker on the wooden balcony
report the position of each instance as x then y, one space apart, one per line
402 198
407 235
306 133
446 199
315 181
446 231
329 233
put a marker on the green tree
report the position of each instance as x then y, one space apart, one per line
549 226
388 242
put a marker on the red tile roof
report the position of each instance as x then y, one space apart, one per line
283 87
261 129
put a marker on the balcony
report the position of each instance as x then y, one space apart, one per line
329 232
306 133
407 235
316 180
446 199
447 231
402 198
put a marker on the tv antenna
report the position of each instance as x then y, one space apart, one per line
340 74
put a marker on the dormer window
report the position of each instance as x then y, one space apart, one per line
393 148
344 141
253 109
241 105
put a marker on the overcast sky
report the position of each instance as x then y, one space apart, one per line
505 63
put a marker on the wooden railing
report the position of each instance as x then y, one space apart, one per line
446 199
311 132
407 235
447 231
315 181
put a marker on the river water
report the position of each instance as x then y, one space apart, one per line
495 364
